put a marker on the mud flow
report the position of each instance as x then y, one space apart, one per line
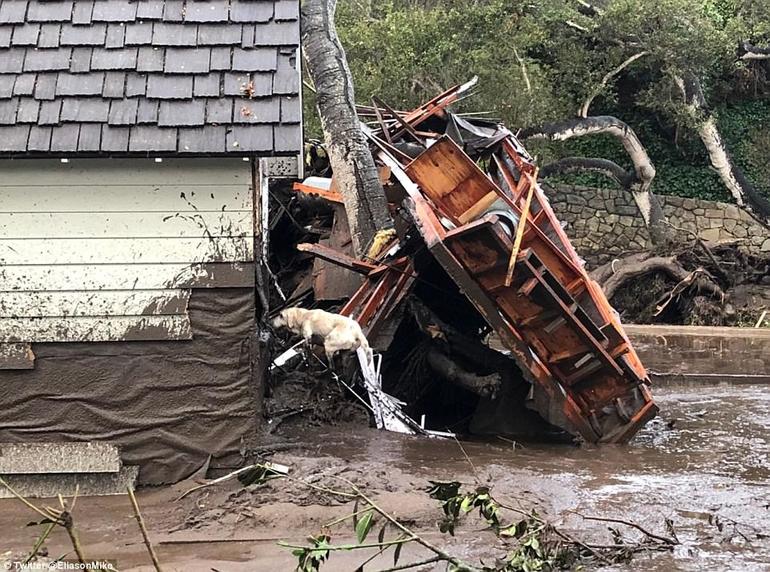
703 464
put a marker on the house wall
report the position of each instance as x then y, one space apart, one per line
127 307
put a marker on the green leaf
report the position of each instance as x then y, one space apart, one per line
363 526
467 504
381 535
355 513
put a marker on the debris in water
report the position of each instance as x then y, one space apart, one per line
478 245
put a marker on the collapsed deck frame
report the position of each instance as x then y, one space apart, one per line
497 237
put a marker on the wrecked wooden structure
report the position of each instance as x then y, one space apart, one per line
480 254
136 144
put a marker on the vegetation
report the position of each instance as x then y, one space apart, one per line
521 540
540 62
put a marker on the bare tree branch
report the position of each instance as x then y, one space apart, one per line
631 268
644 171
577 164
576 26
523 67
605 80
589 9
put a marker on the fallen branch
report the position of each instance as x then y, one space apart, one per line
663 539
668 265
278 470
706 249
143 529
60 517
681 286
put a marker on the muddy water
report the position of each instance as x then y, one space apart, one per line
707 457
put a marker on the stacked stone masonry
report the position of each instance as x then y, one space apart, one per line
605 223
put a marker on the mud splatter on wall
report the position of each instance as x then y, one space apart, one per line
107 250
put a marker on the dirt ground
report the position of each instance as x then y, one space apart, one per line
707 457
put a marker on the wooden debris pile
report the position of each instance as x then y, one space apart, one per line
480 287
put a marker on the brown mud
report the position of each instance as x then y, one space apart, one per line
704 465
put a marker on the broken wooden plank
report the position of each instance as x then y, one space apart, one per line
336 257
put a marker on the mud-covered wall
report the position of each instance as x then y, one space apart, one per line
167 404
604 223
127 307
98 250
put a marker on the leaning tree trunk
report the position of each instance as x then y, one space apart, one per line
638 182
355 173
732 176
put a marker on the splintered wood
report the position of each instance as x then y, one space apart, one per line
472 198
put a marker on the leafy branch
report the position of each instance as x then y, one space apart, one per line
532 544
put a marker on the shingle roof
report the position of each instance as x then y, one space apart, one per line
144 76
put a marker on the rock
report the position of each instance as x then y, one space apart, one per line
765 246
627 210
710 235
573 199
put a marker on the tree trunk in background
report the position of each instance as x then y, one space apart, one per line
732 176
638 182
748 51
355 173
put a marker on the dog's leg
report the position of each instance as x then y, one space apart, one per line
329 356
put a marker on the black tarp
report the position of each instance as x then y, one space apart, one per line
168 405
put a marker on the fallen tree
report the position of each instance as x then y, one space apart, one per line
697 283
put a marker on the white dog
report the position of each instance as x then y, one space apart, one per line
336 332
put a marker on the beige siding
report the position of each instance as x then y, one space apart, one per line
101 250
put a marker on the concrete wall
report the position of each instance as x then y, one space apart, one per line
703 353
604 223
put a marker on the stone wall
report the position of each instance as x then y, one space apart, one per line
605 223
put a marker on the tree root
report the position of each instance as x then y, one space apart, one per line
613 276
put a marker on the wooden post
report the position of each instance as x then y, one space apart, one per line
520 230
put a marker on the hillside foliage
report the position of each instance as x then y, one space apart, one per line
538 61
